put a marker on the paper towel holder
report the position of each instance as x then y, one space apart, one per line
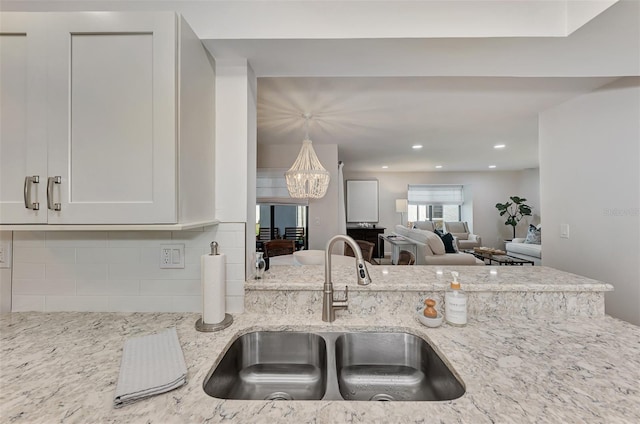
209 328
228 319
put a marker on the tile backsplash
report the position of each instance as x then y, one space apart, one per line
120 271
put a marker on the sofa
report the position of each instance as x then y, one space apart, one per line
430 249
519 249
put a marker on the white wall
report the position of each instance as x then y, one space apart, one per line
120 271
482 191
236 97
529 188
323 213
590 179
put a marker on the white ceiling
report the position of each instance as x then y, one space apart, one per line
375 121
381 75
458 97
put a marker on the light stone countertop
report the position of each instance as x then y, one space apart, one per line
63 367
426 278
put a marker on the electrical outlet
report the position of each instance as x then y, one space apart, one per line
171 256
5 254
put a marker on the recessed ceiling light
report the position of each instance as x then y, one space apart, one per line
499 146
438 166
492 166
384 167
417 146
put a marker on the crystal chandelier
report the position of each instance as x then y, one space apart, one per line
307 178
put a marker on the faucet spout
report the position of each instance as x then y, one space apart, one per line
329 304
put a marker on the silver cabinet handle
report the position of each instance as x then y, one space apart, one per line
28 181
50 182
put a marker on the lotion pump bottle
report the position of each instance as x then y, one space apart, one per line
455 303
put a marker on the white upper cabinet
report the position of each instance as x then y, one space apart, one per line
23 132
107 147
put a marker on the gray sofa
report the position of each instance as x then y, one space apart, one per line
518 248
430 248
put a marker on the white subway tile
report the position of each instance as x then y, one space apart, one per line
28 271
235 304
107 255
23 303
235 255
46 287
138 238
170 287
77 271
63 255
235 272
150 255
140 304
76 239
235 288
5 290
28 239
192 254
107 287
240 240
76 303
186 304
152 272
197 239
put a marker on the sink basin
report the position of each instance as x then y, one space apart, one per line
271 365
355 366
392 366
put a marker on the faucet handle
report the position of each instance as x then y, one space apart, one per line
346 296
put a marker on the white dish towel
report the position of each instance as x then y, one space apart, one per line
150 365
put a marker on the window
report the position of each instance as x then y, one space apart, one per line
437 203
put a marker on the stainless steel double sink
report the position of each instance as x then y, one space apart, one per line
355 366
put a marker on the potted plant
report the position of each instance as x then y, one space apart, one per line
515 210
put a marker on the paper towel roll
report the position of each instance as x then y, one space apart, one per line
214 287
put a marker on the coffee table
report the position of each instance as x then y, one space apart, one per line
397 243
490 259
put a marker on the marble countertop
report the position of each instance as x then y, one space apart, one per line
427 278
63 367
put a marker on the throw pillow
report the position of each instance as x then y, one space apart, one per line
534 235
455 244
449 243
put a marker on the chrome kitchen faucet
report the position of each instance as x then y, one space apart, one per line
329 304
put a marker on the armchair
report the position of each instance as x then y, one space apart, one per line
465 239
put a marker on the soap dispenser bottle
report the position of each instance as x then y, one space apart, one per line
455 303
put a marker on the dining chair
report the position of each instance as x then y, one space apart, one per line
365 246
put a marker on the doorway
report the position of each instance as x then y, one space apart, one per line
283 222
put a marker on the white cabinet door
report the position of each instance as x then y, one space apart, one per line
23 135
112 118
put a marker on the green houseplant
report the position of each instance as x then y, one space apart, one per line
515 210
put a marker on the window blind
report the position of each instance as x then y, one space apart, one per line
435 194
271 188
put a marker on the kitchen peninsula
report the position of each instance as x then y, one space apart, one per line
572 367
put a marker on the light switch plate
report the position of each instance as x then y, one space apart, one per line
171 256
564 231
